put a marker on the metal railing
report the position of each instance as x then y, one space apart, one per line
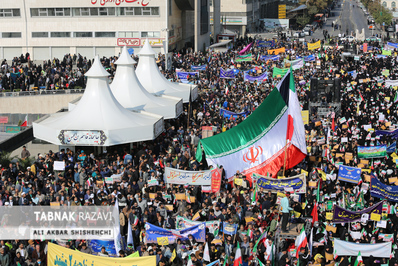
40 92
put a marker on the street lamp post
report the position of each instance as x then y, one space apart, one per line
166 43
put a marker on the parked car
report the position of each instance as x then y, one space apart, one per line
348 38
374 39
299 34
307 29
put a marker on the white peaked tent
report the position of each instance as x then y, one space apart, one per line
131 95
154 82
98 119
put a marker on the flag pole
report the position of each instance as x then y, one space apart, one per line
287 130
284 162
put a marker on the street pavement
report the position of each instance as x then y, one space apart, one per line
347 14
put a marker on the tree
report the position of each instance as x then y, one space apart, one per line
6 158
26 162
314 6
303 20
383 15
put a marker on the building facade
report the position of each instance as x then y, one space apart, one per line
52 28
243 16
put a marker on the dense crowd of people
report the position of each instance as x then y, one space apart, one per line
367 105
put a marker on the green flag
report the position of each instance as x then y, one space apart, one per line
225 260
261 238
279 71
254 197
134 255
260 263
359 260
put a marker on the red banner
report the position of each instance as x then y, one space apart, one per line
215 180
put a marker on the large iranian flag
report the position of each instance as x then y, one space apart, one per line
259 143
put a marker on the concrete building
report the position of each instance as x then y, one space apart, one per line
240 16
53 28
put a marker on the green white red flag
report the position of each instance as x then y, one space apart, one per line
259 143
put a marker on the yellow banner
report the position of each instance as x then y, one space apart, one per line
315 45
305 116
163 241
276 51
58 255
238 181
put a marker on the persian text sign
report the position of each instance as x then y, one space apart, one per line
216 180
129 41
3 119
198 178
341 215
372 151
82 137
349 174
58 255
183 223
154 232
156 42
57 222
118 2
380 190
297 183
13 129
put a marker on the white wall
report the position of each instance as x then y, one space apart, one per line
41 104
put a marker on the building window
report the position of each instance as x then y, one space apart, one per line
11 35
106 11
86 11
83 34
50 12
129 34
105 34
10 12
150 34
384 4
393 5
40 34
80 12
138 11
60 34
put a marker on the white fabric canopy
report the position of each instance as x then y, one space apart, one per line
379 250
154 82
131 94
98 119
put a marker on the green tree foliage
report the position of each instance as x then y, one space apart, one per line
303 20
383 15
315 6
6 158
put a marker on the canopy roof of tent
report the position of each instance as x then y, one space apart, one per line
98 119
154 82
132 95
